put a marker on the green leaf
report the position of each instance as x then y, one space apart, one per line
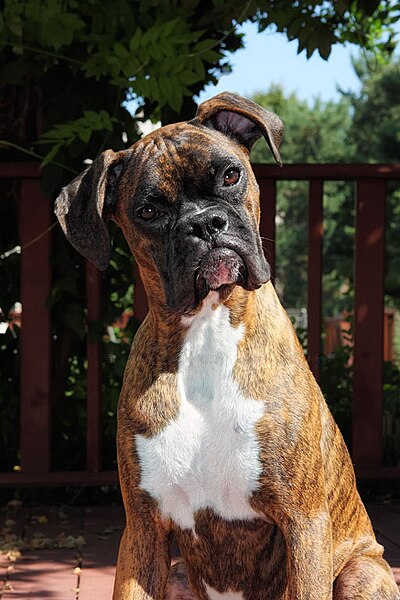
188 77
212 56
166 65
155 52
142 87
154 90
166 48
324 48
165 87
120 50
303 38
294 27
175 99
59 30
168 28
148 37
84 135
310 48
204 45
178 65
134 42
198 67
50 155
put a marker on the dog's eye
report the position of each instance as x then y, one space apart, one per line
231 176
147 213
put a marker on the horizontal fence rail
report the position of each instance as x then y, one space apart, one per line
35 347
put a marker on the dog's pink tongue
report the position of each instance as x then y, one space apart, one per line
221 274
219 267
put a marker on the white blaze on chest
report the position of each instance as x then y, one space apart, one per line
209 456
214 595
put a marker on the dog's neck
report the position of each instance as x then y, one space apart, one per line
243 306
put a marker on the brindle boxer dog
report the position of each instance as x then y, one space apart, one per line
224 438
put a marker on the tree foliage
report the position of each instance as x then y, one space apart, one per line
67 67
376 123
320 25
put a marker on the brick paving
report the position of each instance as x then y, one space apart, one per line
70 554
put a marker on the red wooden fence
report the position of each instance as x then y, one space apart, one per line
368 328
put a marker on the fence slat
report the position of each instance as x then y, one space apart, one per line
34 220
314 297
93 406
328 171
368 326
267 224
55 478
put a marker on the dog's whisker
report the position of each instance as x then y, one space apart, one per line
268 239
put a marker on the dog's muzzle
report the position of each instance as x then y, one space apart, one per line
216 248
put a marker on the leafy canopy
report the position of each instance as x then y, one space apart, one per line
67 67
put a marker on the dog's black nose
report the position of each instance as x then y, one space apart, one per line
207 224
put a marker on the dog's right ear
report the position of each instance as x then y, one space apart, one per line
85 204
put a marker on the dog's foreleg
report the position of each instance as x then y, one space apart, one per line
144 556
143 563
310 563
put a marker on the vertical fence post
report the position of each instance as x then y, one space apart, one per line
314 298
93 405
34 220
368 325
267 224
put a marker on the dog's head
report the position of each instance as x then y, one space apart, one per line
186 199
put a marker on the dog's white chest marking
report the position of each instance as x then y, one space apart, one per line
214 595
209 456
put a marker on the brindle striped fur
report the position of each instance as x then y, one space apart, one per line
313 539
316 519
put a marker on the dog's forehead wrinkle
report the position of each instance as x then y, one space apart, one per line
170 182
166 170
169 152
192 145
178 157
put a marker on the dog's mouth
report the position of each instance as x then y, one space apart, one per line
219 270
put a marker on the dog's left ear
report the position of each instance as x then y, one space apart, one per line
241 119
84 206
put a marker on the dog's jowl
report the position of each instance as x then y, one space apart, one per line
224 438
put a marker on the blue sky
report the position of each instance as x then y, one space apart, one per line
270 58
